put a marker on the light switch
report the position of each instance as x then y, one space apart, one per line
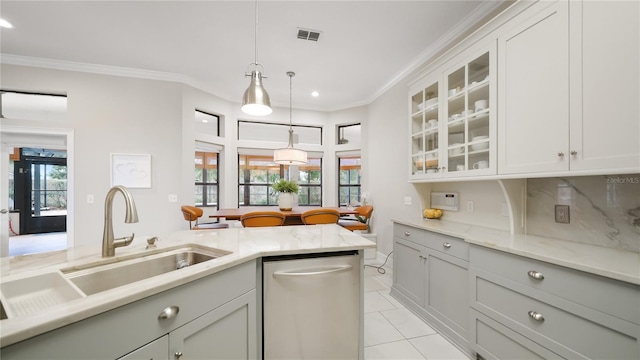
408 200
90 199
173 198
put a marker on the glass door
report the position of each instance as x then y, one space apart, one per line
424 131
468 125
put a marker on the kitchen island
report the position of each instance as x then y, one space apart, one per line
240 250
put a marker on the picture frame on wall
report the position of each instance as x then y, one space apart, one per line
131 170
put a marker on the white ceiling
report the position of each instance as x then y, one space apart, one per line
364 47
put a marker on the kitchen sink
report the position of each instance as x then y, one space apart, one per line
94 279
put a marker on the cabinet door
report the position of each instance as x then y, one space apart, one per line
469 131
408 269
155 350
605 87
448 291
533 91
424 108
227 332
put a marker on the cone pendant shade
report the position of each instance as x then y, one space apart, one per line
255 100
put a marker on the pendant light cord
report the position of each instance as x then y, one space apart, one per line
255 29
291 75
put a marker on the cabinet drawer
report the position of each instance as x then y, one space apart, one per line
610 296
444 243
546 323
493 340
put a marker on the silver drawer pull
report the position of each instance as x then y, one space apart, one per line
406 233
446 245
536 316
169 312
178 355
536 275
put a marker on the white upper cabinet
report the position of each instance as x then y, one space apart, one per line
605 96
469 130
533 90
452 126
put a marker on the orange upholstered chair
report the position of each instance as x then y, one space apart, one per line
364 213
192 213
262 218
320 216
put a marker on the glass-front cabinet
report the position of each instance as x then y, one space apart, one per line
425 114
453 120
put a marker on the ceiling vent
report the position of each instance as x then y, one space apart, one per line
306 34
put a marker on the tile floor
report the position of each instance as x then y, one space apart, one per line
393 332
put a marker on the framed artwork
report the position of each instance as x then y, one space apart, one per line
131 170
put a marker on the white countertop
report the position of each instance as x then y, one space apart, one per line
245 244
612 263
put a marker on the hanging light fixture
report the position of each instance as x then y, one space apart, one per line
289 155
256 100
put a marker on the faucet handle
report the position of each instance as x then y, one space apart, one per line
151 242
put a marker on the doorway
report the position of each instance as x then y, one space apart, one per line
46 217
40 190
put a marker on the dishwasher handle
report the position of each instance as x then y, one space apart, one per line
312 272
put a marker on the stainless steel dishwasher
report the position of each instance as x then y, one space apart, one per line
312 306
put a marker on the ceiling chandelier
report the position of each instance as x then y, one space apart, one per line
289 155
255 100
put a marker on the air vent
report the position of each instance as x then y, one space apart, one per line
306 34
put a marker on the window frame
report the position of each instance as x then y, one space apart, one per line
349 185
204 184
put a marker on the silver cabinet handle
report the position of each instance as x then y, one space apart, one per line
535 275
574 153
406 233
178 355
169 312
4 211
306 272
536 316
560 154
446 245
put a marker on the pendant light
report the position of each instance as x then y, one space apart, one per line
289 155
255 100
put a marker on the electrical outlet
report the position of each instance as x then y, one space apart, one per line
90 199
408 200
562 214
469 206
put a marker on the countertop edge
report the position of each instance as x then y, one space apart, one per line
607 262
22 328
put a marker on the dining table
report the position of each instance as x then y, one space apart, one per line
292 217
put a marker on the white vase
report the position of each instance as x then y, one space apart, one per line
285 201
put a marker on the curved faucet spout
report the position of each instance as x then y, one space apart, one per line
109 243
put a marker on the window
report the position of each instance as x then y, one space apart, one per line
258 131
207 123
349 134
349 180
206 179
258 172
310 181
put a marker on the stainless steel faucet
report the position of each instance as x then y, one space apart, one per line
109 244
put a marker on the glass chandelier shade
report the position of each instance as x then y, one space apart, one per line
290 155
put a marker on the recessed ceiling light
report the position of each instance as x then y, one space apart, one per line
5 24
315 94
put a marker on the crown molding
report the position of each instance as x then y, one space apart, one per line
11 59
439 47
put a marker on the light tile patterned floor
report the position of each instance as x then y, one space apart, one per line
393 332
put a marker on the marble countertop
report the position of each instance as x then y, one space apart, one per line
608 262
245 244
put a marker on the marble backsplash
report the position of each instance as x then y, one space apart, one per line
603 210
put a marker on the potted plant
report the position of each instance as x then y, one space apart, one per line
286 193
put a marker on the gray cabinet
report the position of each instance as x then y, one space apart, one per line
543 306
135 330
431 278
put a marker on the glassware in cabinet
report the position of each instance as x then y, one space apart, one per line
424 130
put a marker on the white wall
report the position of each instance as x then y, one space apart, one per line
114 115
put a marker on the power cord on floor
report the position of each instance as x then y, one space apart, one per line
380 268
